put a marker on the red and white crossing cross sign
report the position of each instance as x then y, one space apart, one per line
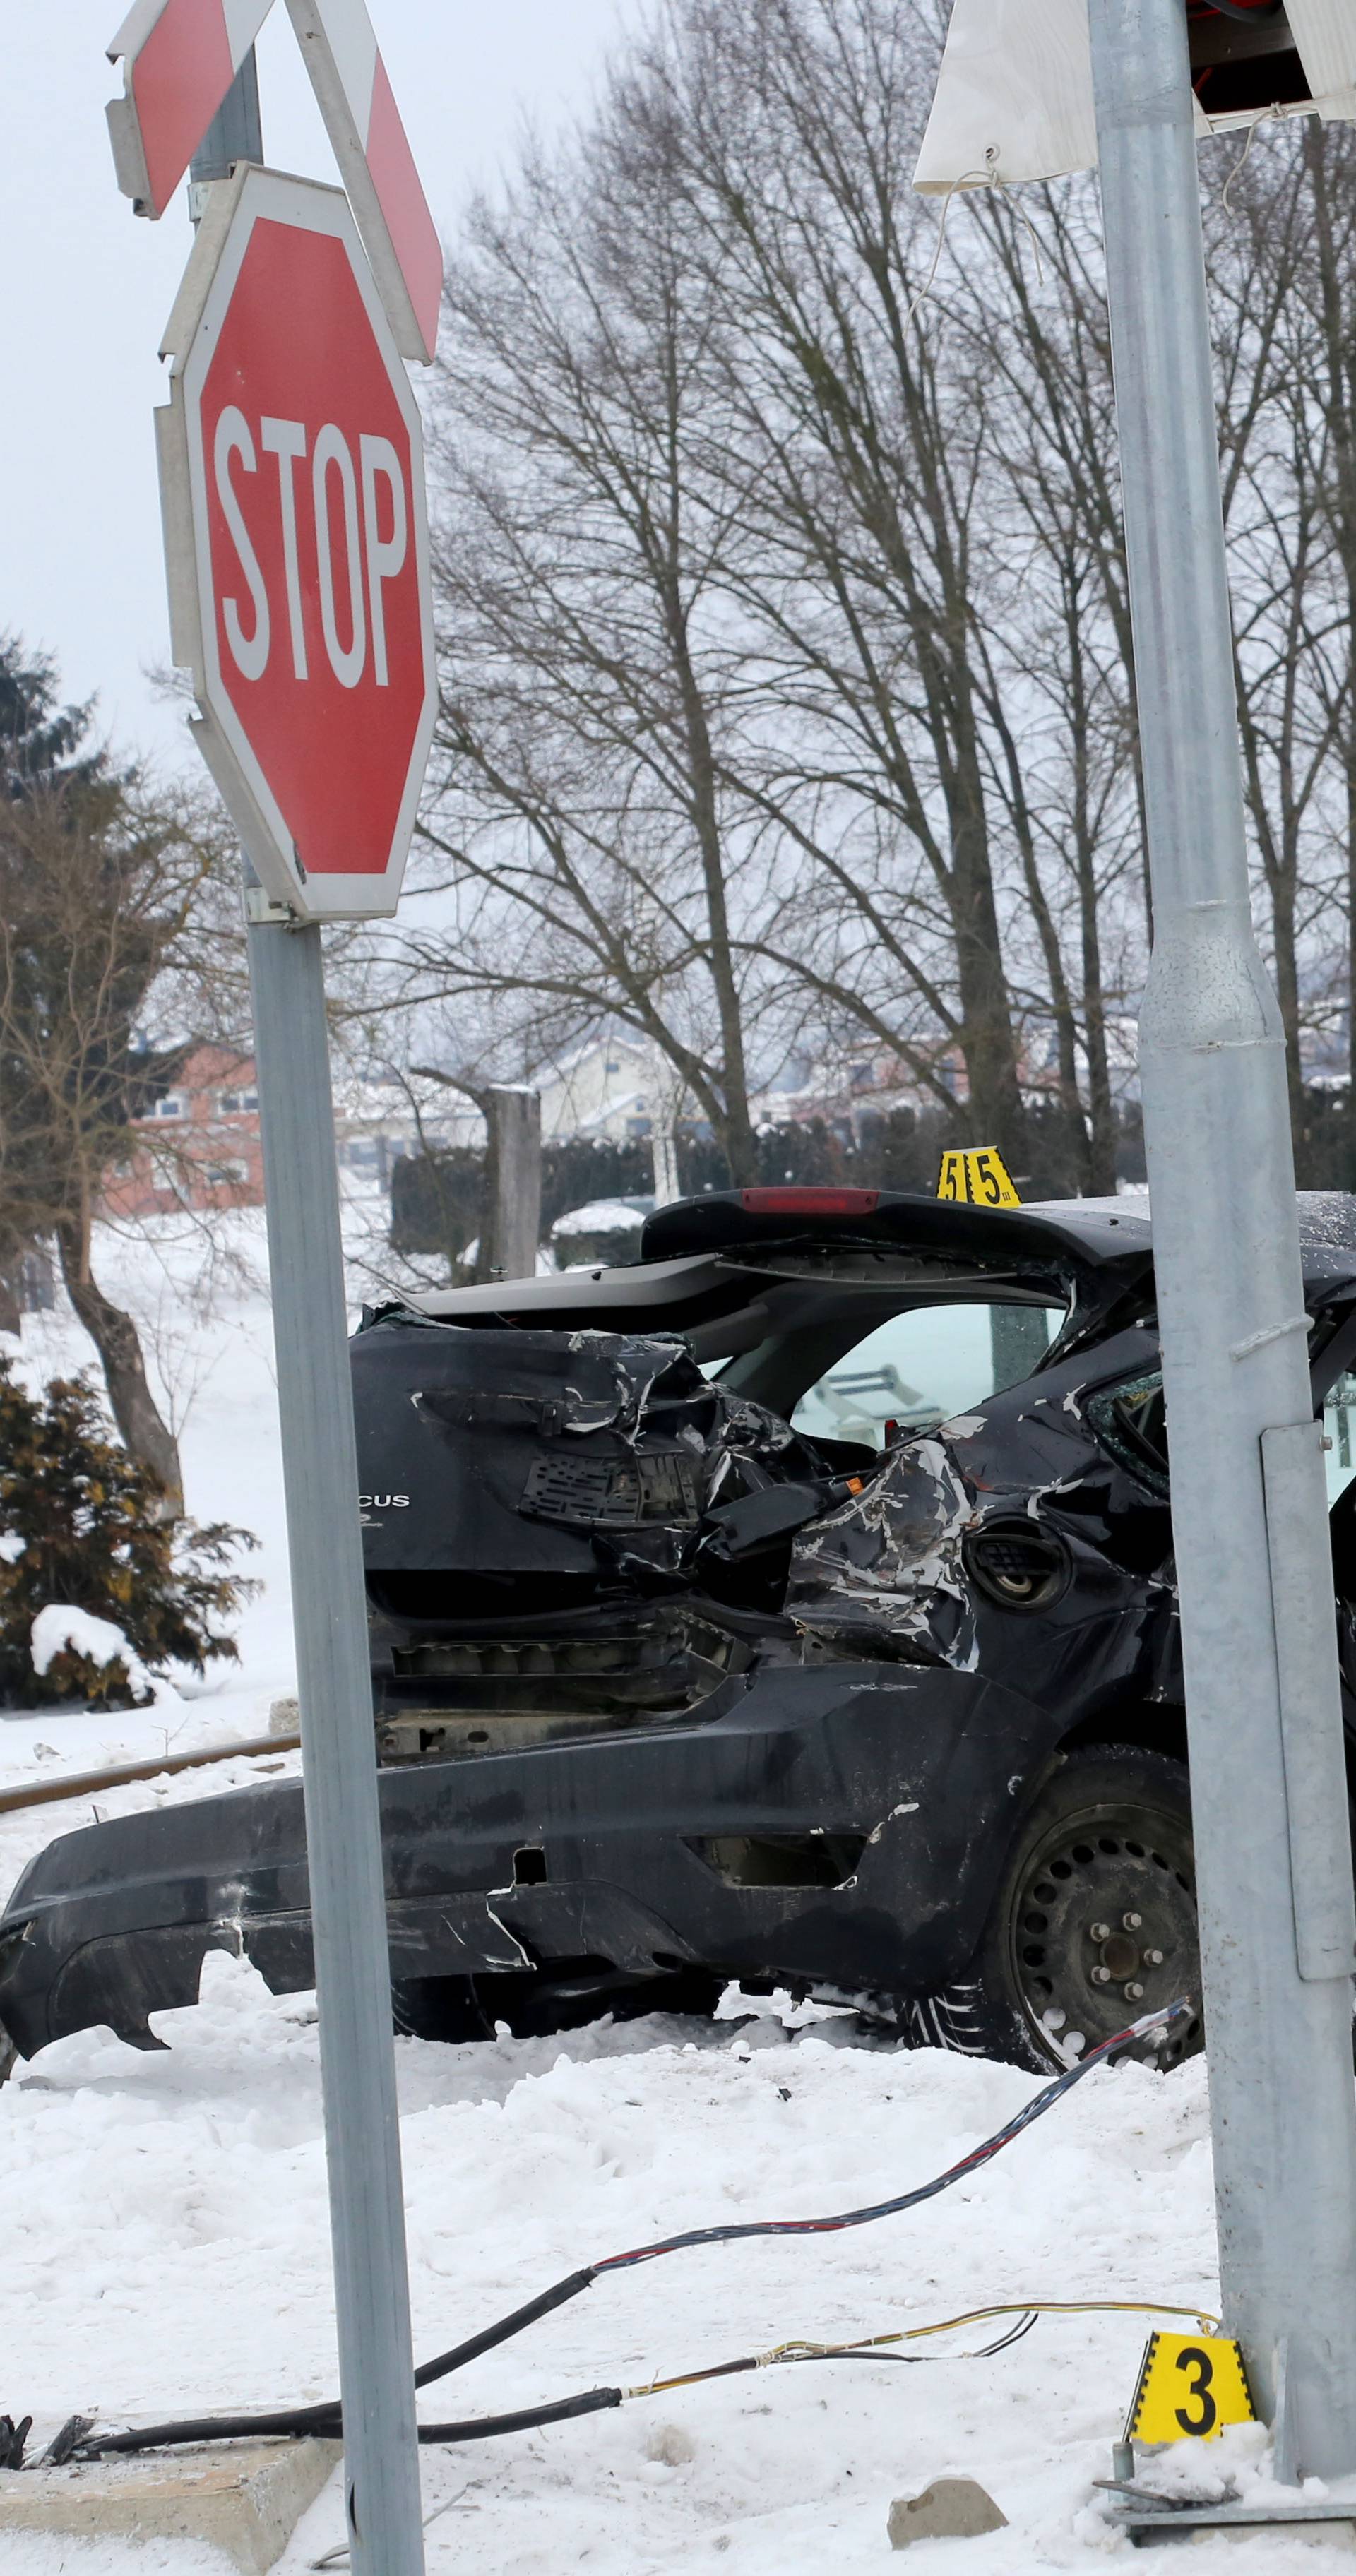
179 59
296 543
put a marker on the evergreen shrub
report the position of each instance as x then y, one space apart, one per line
84 1525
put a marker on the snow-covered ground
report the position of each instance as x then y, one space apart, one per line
166 2239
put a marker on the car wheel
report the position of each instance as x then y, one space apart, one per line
1094 1922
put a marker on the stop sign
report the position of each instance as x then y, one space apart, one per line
296 537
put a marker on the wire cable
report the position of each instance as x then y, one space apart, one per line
868 2347
783 2354
592 2401
326 2418
485 2428
1033 2110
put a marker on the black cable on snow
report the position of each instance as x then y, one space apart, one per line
326 2419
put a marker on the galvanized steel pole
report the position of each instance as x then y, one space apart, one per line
338 1737
1248 1507
339 1763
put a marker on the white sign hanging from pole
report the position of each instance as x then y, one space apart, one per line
1014 97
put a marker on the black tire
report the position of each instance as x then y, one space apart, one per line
461 2008
1107 1839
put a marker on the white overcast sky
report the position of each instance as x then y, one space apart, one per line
88 287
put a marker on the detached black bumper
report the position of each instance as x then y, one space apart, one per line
839 1828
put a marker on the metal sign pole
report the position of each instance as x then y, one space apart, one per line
1248 1505
343 1830
343 1824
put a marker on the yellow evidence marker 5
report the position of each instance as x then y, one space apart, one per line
1190 2387
979 1175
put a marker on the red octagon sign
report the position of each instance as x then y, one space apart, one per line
296 537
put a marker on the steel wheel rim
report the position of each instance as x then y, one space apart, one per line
1105 1890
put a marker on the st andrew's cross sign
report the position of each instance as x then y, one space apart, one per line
179 58
296 541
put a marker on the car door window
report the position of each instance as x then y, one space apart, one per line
922 1367
1132 1422
1339 1424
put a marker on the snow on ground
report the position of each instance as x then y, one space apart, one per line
166 2236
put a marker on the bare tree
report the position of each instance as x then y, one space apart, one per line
731 738
106 895
787 653
1279 216
588 688
934 552
1330 172
1069 771
859 448
1292 637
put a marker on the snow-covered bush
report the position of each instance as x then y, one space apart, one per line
82 1525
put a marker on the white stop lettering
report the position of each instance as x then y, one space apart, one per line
360 527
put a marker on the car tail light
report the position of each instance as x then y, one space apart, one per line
810 1202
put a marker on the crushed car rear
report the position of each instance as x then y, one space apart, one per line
794 1605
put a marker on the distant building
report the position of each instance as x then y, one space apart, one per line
607 1087
846 1092
376 1123
200 1147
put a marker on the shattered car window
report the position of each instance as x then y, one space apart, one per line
1131 1421
922 1367
1339 1423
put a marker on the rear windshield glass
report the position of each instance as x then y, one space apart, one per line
874 1383
924 1366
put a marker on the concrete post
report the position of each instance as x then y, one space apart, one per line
664 1156
513 1119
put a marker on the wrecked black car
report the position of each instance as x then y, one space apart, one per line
794 1605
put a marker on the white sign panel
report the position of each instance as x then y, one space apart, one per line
1014 96
179 59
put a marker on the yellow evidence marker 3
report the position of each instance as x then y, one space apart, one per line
1190 2387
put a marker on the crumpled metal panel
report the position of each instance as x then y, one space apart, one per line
890 1571
522 1453
925 1770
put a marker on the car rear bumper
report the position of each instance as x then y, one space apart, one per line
839 1828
